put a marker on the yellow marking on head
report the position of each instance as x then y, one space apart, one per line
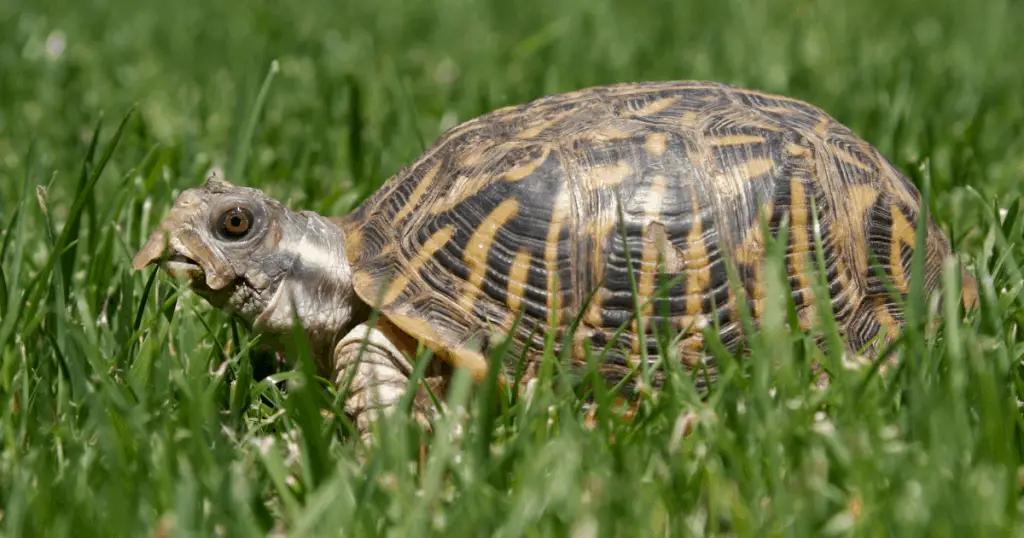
559 217
430 246
517 276
656 241
655 107
656 144
610 175
736 140
524 171
479 246
698 275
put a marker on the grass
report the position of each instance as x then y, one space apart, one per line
123 415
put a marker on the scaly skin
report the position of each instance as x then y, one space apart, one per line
278 266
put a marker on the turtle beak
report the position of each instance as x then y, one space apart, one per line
151 252
179 263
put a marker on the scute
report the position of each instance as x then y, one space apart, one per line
514 217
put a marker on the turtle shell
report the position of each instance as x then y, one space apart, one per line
549 214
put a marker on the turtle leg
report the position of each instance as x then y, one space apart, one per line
377 374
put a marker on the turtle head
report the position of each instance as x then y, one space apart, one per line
255 258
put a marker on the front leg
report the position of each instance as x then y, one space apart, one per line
378 377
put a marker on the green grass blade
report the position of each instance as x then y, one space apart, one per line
242 149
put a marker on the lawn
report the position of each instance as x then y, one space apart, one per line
130 408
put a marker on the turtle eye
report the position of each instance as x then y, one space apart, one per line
235 223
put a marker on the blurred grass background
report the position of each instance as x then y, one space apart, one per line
107 434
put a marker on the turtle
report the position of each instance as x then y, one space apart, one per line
571 220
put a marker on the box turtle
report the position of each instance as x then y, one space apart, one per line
540 215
